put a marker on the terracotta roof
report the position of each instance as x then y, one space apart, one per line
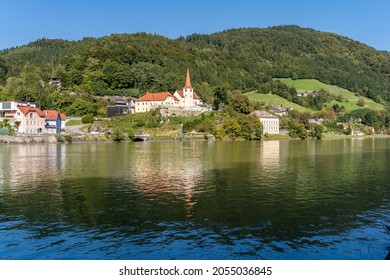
26 109
158 96
180 92
50 114
188 80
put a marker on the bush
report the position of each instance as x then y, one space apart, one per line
87 119
118 136
68 138
361 102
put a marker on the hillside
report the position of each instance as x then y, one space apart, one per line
240 59
275 100
350 99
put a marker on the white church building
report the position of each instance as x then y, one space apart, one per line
185 99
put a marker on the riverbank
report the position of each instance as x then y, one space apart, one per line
27 139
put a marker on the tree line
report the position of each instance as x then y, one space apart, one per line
238 59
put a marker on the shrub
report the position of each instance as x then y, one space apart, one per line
118 136
87 119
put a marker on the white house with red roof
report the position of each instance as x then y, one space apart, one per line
152 101
28 119
186 99
54 121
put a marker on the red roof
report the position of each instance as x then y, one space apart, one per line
188 80
50 114
26 109
158 96
180 92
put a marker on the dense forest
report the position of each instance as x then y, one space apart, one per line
239 59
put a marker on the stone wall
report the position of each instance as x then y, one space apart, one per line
28 139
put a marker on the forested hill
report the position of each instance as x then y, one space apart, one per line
241 59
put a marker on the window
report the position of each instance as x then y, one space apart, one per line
31 115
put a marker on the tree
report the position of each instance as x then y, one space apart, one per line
318 129
361 102
251 127
220 97
118 136
232 127
297 129
86 119
3 71
240 102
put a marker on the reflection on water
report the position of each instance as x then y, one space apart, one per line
196 200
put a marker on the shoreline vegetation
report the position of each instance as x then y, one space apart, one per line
29 139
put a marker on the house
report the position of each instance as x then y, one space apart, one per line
55 81
9 108
54 121
269 121
185 99
317 121
122 106
28 119
279 111
152 101
306 94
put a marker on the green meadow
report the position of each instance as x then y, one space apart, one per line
273 99
350 99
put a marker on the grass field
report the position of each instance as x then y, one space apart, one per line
273 99
315 85
73 122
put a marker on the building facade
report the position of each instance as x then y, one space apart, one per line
269 121
28 119
185 99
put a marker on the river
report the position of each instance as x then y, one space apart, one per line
273 200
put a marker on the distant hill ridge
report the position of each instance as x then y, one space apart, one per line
241 59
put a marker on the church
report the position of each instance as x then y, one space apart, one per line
185 99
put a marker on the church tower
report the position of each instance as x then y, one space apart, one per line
188 92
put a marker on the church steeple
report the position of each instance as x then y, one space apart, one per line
188 80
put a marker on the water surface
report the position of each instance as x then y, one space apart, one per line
196 200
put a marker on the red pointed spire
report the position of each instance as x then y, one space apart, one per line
188 80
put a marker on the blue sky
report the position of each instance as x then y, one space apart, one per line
23 21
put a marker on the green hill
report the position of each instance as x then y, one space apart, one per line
273 99
240 59
350 103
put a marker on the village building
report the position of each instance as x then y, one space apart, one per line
55 81
54 121
279 111
269 121
120 106
185 99
152 101
28 119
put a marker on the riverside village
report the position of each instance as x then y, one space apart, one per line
22 118
175 115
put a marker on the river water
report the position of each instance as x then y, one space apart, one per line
270 200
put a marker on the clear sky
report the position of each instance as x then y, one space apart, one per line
24 21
